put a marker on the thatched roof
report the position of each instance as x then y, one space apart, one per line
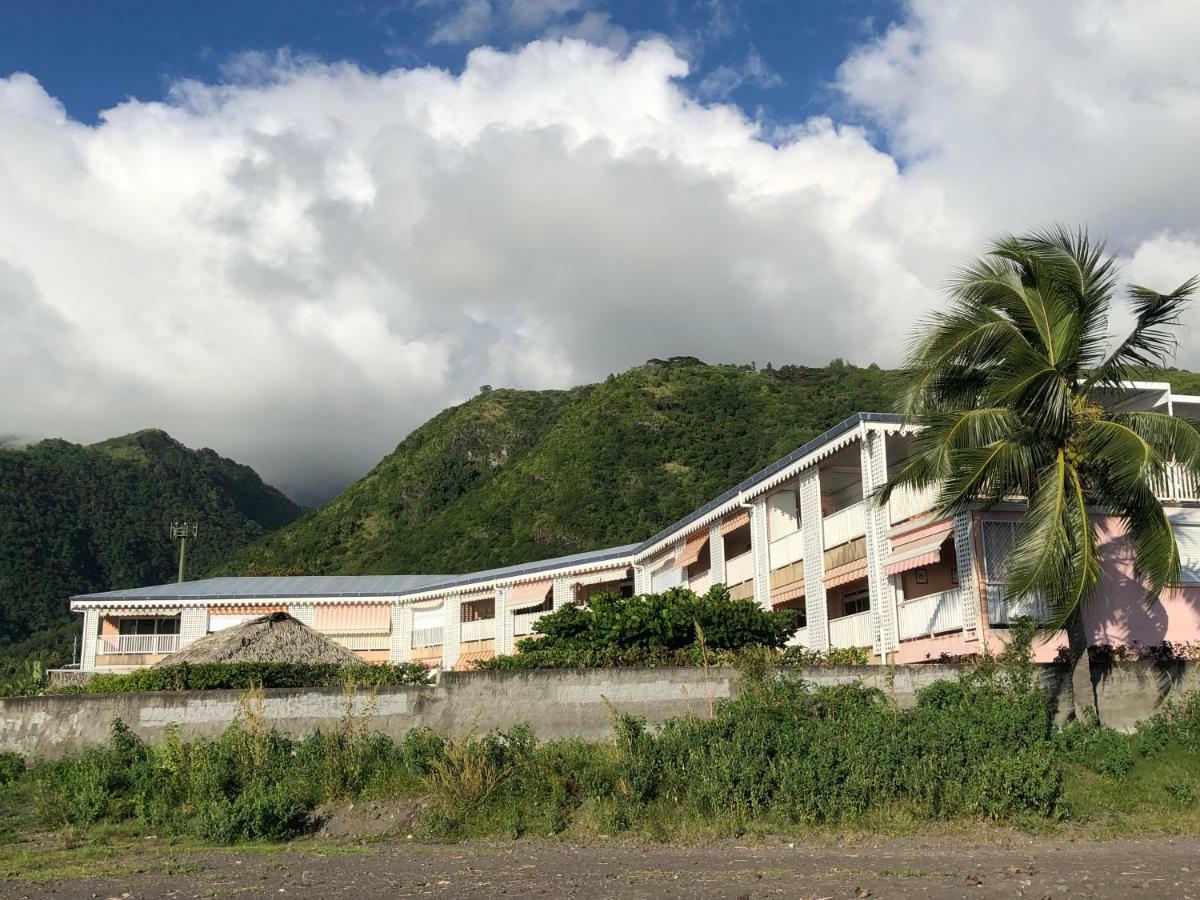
277 637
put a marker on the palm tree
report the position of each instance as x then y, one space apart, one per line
1009 383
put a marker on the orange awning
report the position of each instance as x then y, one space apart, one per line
914 555
691 550
736 521
465 660
243 609
847 573
787 592
340 618
530 591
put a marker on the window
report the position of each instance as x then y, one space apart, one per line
998 540
148 625
856 601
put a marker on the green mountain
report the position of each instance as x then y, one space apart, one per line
512 476
89 518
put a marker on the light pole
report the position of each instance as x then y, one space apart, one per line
183 531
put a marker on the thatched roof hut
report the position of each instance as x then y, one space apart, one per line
277 637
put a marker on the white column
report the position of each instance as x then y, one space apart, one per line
716 553
760 548
91 637
815 604
400 640
641 580
193 624
451 630
873 457
302 612
503 622
968 579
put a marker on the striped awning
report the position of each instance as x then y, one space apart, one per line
600 577
787 592
691 550
529 591
149 612
923 552
246 609
847 573
465 660
736 521
338 618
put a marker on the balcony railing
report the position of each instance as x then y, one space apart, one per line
845 524
523 622
799 639
1177 484
1002 609
478 630
153 644
787 549
363 640
932 614
701 583
739 569
427 637
907 502
857 630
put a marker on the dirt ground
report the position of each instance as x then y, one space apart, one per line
1013 866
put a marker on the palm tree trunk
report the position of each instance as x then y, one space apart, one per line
1082 690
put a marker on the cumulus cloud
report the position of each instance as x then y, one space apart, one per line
299 266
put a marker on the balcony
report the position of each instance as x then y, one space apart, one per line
739 569
427 637
1002 609
845 525
908 502
363 640
142 644
1177 485
787 549
799 639
930 615
523 622
477 630
857 630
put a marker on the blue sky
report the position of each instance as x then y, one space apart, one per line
93 55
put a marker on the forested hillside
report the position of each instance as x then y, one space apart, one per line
85 518
512 476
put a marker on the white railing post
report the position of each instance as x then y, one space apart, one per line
503 622
968 579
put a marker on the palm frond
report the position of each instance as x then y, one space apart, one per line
1152 341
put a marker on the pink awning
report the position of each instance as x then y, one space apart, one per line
923 552
691 550
847 573
787 592
341 618
530 591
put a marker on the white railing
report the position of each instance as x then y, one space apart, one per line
845 524
478 630
363 640
787 549
1177 484
702 583
139 643
799 639
523 622
932 614
907 502
427 637
857 630
1002 609
739 569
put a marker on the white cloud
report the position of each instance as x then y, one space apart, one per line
724 80
469 21
298 267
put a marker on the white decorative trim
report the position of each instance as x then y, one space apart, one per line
193 624
562 592
504 622
884 615
451 631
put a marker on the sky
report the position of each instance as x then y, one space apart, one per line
293 231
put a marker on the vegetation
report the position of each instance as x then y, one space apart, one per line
246 675
696 655
1008 384
782 757
75 519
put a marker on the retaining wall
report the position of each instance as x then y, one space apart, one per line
557 704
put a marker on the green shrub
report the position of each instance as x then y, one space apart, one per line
12 767
1181 791
244 675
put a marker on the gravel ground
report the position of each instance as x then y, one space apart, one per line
1015 866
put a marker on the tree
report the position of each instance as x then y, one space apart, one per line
1014 383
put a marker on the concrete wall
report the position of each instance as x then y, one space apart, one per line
557 704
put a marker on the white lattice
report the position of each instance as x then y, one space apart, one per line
91 637
760 547
400 643
504 622
193 624
302 612
716 554
641 580
873 459
814 567
964 559
563 593
451 631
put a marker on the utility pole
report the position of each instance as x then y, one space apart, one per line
183 531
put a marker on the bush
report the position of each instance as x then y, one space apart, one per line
12 767
244 675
